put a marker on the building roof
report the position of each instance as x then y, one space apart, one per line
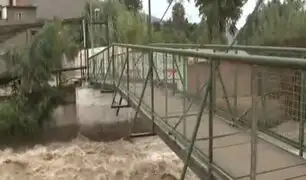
20 7
9 30
47 9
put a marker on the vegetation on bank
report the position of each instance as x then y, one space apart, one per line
34 98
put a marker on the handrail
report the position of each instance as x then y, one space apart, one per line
285 62
235 47
219 47
100 52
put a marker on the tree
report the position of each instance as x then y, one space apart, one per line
124 25
220 15
178 15
35 63
133 5
24 113
277 23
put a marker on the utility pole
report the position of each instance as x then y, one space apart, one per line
149 22
90 26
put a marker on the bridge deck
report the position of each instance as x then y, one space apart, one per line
231 145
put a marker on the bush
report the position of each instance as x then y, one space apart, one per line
25 115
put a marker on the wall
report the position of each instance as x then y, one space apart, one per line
29 13
22 2
20 39
4 2
98 121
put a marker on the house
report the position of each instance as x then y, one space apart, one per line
30 11
13 13
16 10
20 20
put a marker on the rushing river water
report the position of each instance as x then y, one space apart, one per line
84 159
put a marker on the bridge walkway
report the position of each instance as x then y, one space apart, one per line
230 150
231 145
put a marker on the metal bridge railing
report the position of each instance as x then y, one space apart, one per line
175 86
263 50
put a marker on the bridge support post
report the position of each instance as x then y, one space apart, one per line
173 76
113 66
302 114
128 75
212 101
254 85
119 106
151 66
184 84
166 86
118 84
140 101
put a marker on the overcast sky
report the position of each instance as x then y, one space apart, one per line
192 13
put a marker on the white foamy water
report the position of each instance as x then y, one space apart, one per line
81 159
144 159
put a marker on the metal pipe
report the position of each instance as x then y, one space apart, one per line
184 97
224 91
173 76
236 91
166 86
86 48
151 65
234 47
108 43
142 94
142 68
149 22
195 132
293 63
253 166
211 118
302 115
113 65
152 89
107 71
119 81
128 75
178 70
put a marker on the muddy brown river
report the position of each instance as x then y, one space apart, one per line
83 159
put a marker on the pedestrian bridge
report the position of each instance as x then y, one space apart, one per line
229 114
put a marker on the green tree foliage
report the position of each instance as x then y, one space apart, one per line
280 23
129 26
133 5
178 15
125 25
218 16
24 113
34 63
177 29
